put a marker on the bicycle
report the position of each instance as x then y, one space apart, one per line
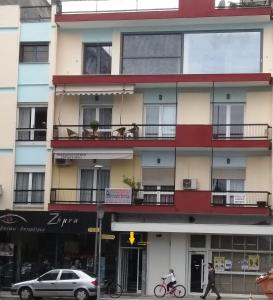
114 290
160 290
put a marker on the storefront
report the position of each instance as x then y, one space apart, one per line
32 242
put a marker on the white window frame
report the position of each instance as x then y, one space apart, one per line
32 119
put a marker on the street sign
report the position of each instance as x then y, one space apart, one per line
93 229
132 237
108 237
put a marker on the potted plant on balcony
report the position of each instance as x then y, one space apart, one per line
135 186
94 125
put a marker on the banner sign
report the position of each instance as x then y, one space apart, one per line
54 222
118 196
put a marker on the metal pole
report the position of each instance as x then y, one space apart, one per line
96 243
99 262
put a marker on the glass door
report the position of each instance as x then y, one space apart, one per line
131 270
197 271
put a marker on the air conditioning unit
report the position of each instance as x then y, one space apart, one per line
62 162
189 184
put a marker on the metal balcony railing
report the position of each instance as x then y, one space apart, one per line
242 3
28 196
108 132
242 131
107 6
241 198
93 196
29 14
30 134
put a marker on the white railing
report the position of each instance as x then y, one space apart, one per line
81 6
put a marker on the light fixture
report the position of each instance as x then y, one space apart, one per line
160 97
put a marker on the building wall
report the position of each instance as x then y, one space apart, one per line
6 178
165 251
262 182
193 108
193 167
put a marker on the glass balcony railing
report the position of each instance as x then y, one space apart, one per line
28 196
31 134
242 3
107 6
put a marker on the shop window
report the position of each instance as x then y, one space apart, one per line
198 241
215 242
238 243
264 243
226 242
251 243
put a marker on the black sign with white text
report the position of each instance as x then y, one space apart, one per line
54 222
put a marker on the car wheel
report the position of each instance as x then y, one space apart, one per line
81 294
25 293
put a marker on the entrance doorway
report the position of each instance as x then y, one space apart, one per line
131 270
197 270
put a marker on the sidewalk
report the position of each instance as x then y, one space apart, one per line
7 294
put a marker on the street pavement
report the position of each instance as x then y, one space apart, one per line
7 295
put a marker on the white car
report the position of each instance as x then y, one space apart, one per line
57 283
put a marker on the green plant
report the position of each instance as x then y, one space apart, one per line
131 182
94 125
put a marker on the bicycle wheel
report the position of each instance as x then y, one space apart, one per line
115 290
180 291
159 291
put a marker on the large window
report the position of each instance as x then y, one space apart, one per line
29 187
222 52
152 54
34 53
32 123
93 184
160 120
97 59
192 53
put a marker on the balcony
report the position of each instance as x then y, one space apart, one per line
242 131
108 6
242 3
132 201
166 202
143 10
241 199
139 135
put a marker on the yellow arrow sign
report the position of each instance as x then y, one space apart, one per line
132 237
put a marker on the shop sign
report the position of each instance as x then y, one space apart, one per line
55 222
107 237
118 196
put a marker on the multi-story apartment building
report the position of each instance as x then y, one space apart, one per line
172 99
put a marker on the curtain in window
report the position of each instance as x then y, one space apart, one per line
219 185
21 196
105 118
168 117
37 195
103 181
152 118
237 185
87 177
24 122
89 115
236 117
219 117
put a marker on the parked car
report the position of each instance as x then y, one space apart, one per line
57 283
